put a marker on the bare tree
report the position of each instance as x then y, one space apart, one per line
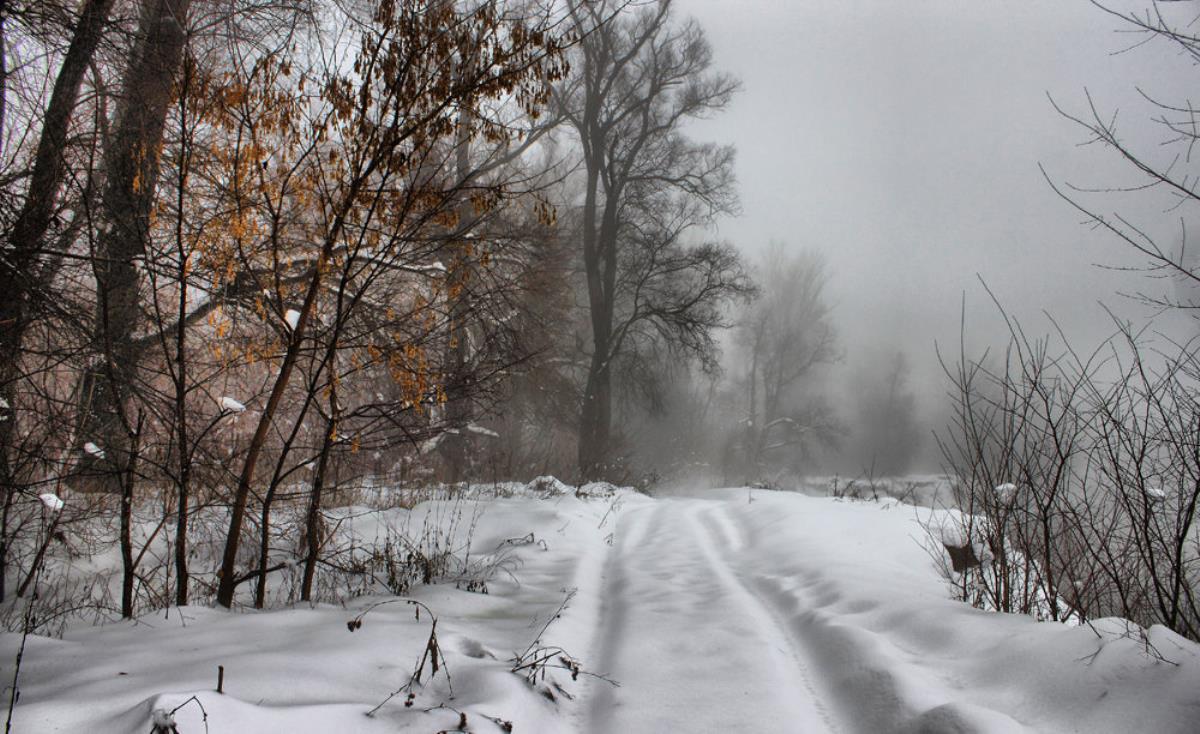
30 259
639 78
1165 169
384 191
787 334
887 431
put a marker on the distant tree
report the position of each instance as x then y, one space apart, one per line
887 432
638 79
786 335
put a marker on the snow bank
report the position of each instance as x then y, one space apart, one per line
734 610
300 670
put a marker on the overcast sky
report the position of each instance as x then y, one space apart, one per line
903 139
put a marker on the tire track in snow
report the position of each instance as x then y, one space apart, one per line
871 684
717 522
691 645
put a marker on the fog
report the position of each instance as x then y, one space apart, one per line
904 141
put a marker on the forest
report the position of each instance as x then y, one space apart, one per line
273 271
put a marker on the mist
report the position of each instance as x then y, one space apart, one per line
906 142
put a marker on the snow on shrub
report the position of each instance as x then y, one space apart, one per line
548 485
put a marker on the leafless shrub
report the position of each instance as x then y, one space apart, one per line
1078 479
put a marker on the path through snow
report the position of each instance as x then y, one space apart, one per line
730 611
742 610
678 604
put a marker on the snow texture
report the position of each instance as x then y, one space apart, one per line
472 428
717 611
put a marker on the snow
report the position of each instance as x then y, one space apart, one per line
93 450
1006 491
726 610
4 404
1156 493
52 501
430 445
292 318
231 405
472 428
548 486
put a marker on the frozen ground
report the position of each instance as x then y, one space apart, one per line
727 611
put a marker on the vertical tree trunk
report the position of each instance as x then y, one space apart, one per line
458 407
599 259
132 176
227 583
184 480
312 520
752 428
596 421
17 274
128 565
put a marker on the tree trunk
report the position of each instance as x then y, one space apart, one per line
128 201
752 428
458 406
18 279
312 521
596 421
599 259
128 565
184 480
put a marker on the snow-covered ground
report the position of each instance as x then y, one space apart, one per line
715 611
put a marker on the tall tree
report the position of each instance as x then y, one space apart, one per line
787 334
25 268
131 178
386 132
639 78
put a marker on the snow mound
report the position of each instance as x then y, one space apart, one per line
548 485
597 489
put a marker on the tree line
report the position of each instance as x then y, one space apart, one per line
252 248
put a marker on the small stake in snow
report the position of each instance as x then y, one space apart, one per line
220 679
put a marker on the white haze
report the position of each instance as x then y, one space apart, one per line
903 140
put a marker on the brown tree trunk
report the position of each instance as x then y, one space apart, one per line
132 167
227 583
128 564
458 406
312 520
19 281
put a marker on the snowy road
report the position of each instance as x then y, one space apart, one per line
733 610
693 647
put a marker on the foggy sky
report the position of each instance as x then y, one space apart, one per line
903 140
